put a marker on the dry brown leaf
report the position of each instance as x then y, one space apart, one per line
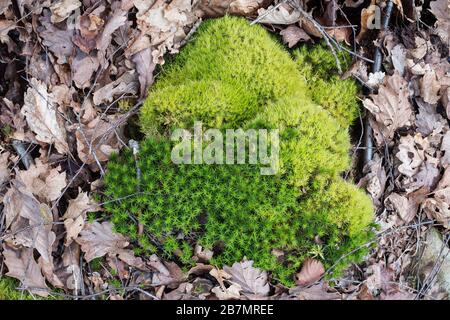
293 34
98 239
144 67
40 111
201 254
368 17
75 216
118 19
33 219
99 139
430 86
421 48
375 179
218 8
438 207
43 181
252 280
428 120
390 107
22 266
311 271
61 10
284 14
353 4
83 66
445 149
406 206
230 293
441 10
125 84
318 291
168 273
57 40
411 154
4 171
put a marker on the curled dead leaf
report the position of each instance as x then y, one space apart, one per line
40 111
311 271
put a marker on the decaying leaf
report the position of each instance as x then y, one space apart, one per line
318 291
430 86
98 139
232 292
4 171
375 179
22 266
62 9
125 84
252 280
411 154
283 14
33 219
43 181
390 107
75 216
311 271
293 34
441 10
40 111
98 239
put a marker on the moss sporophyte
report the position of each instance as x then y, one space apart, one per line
236 76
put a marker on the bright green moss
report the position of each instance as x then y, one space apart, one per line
234 210
9 291
236 76
318 67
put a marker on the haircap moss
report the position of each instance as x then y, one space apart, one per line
233 75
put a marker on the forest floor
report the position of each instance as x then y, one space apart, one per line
68 71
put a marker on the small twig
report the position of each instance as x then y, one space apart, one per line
368 136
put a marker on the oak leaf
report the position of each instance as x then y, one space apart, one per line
390 107
252 280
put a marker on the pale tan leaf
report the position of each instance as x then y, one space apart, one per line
430 86
144 67
98 139
411 154
311 271
390 107
401 205
125 84
230 293
98 239
318 291
20 204
293 34
43 181
252 280
83 66
117 20
61 10
4 171
22 266
428 120
75 216
375 179
284 14
441 10
40 111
